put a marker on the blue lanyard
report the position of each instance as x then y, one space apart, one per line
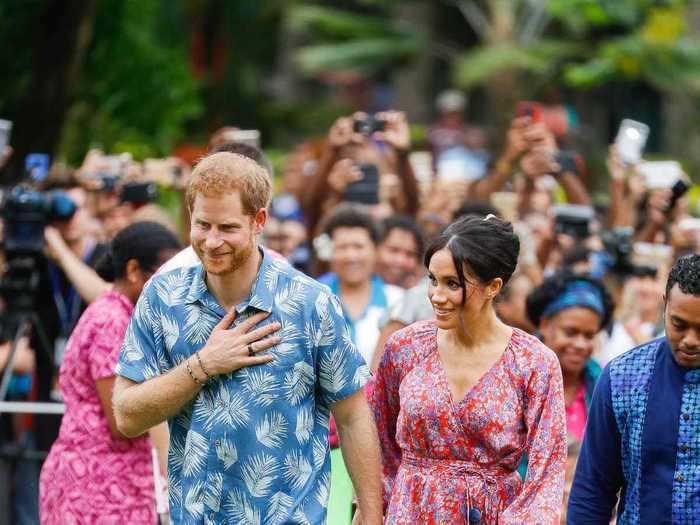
68 307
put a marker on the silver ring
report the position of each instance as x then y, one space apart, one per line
251 352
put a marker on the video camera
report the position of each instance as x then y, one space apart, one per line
26 213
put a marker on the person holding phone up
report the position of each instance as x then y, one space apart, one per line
362 148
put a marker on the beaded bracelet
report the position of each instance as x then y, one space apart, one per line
201 365
189 369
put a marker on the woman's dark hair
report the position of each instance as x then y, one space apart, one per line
552 287
487 246
143 241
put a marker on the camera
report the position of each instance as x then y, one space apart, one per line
26 212
618 245
573 220
368 125
139 192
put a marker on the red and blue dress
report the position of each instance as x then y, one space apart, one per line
450 461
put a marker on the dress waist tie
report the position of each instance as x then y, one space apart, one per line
488 479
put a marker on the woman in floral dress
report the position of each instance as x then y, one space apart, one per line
460 399
93 474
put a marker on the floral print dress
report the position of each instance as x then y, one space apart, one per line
91 476
452 461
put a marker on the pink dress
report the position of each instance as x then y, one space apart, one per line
445 460
89 476
576 414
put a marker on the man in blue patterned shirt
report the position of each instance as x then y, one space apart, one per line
643 435
246 358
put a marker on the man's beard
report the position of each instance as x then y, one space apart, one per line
236 259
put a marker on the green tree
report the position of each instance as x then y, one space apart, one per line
523 44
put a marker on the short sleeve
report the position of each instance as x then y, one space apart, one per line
341 369
138 359
105 347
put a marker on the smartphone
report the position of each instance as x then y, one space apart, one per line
630 141
36 167
5 129
139 192
365 190
660 174
573 220
679 189
528 108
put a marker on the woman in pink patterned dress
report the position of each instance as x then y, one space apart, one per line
93 474
458 400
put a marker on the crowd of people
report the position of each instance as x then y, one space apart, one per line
446 313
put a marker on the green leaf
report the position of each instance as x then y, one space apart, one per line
482 63
336 23
357 54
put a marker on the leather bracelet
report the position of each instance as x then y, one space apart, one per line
201 365
189 369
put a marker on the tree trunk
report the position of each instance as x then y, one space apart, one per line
64 34
411 82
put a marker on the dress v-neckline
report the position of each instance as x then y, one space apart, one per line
458 406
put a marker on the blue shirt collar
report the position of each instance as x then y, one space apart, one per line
261 294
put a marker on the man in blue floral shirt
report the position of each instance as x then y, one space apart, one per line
246 358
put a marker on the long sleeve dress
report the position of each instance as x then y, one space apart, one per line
454 461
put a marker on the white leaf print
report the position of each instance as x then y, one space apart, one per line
323 490
361 376
240 510
171 331
335 303
194 502
259 473
300 518
322 417
305 424
226 410
176 453
297 470
272 430
171 288
327 333
261 385
299 382
215 486
290 333
332 370
198 324
270 278
227 452
290 298
277 508
174 489
308 282
196 448
320 451
132 352
321 303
